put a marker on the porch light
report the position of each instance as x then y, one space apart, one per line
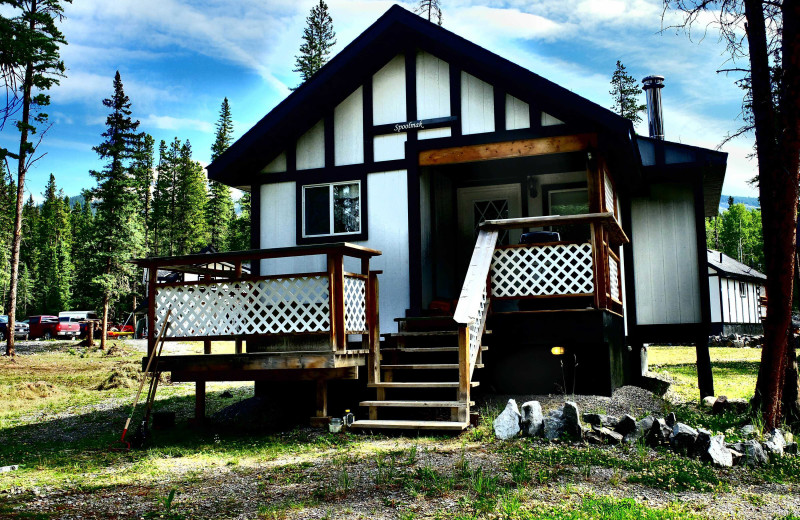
557 351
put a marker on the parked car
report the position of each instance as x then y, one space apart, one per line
47 327
20 328
83 318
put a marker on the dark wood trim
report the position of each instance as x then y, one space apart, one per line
411 91
299 216
630 275
369 148
291 158
670 333
330 147
499 108
152 279
705 377
339 173
455 99
255 226
414 232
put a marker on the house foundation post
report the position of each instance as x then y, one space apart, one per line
705 379
321 418
200 401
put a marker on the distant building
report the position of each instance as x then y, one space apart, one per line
736 292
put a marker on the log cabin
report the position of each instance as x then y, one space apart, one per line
525 239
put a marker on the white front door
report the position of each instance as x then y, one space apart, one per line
481 203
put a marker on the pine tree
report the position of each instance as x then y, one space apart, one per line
318 38
82 225
159 216
190 205
30 65
54 241
430 10
143 175
220 203
240 235
29 253
117 230
625 91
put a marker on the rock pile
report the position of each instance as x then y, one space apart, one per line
736 341
568 423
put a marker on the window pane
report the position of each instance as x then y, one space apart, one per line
572 202
317 218
346 208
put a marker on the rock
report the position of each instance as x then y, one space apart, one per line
748 430
790 449
671 419
720 405
554 425
6 469
708 401
593 437
788 437
654 384
718 454
683 438
532 419
701 444
658 434
737 456
506 426
774 442
626 425
642 427
609 436
226 394
754 453
572 420
599 419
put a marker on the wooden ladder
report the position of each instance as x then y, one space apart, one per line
431 358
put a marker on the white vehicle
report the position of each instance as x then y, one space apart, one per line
78 315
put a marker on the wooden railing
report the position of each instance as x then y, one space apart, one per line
561 269
227 304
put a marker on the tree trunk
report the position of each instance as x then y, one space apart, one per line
104 325
21 170
778 163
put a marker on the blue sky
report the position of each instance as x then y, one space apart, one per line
179 58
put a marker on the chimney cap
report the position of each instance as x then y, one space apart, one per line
653 81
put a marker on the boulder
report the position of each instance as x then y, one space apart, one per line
626 425
554 425
754 453
598 419
718 454
572 420
720 405
593 437
658 434
748 430
532 419
701 444
737 456
506 426
708 401
642 427
683 438
671 419
790 449
774 442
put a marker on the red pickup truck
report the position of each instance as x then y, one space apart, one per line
47 327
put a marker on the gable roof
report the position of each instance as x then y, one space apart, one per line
731 268
394 32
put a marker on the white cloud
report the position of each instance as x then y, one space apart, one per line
176 123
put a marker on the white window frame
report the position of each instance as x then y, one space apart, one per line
330 186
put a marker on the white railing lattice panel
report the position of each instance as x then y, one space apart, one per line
613 277
476 327
355 305
260 306
542 270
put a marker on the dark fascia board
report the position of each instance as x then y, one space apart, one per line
393 32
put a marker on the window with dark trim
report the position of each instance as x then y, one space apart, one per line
332 209
743 289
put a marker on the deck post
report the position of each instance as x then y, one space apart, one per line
705 379
365 271
336 290
152 278
200 401
373 324
463 372
238 345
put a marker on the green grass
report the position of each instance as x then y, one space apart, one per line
734 369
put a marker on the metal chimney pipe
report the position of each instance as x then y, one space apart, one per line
655 118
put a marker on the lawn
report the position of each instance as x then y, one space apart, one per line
734 370
66 405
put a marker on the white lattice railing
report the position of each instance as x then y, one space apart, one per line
613 278
355 304
291 304
542 270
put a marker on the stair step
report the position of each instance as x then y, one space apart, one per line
429 366
416 384
408 425
425 349
416 404
423 319
428 333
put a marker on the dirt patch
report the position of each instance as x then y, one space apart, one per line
37 390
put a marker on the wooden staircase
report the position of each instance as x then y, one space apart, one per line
423 374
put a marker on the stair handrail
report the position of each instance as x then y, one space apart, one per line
473 303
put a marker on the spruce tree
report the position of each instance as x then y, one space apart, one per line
240 236
625 91
117 229
29 254
82 225
318 38
54 243
143 175
30 65
220 204
430 10
159 216
190 206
